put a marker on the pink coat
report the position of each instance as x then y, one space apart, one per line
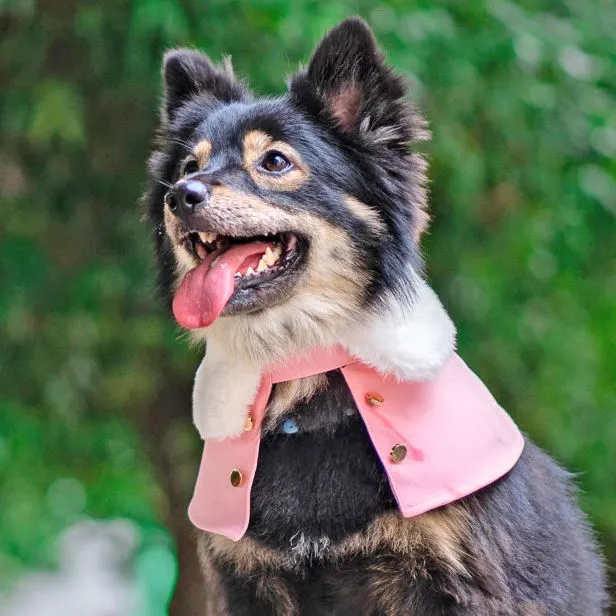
438 440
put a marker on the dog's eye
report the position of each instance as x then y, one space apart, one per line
275 162
190 166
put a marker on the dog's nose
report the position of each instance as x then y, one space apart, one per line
184 197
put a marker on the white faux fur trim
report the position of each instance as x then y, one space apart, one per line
411 344
224 389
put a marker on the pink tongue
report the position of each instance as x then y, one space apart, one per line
206 289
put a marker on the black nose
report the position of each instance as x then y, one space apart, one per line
185 196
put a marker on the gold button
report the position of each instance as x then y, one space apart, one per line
248 423
397 453
374 399
236 477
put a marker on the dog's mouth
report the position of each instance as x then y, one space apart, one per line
235 274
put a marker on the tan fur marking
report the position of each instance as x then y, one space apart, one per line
288 394
273 589
446 532
236 213
184 260
423 220
421 201
387 585
246 555
202 152
440 532
256 144
367 214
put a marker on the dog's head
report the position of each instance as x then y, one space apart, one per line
279 221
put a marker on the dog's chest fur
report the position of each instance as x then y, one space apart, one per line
325 537
317 485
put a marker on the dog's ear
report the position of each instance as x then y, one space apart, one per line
187 73
349 86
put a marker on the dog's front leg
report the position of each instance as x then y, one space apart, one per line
391 585
264 593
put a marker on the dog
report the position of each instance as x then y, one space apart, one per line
288 224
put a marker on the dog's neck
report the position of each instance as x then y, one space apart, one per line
410 344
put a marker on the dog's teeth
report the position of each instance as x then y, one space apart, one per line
277 251
262 265
250 272
208 237
200 250
270 256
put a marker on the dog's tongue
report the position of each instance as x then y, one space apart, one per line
206 289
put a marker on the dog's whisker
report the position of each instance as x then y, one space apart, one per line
189 145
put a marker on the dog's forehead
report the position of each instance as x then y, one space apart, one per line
228 125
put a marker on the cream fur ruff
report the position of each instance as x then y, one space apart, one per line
410 344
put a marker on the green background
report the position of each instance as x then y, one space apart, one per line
94 378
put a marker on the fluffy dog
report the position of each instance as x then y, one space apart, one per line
292 223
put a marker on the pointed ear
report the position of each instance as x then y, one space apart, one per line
187 73
349 86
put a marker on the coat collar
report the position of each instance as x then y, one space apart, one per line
438 440
405 344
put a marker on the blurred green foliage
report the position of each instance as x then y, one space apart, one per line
521 97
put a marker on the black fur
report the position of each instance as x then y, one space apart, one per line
327 478
190 75
527 550
530 551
